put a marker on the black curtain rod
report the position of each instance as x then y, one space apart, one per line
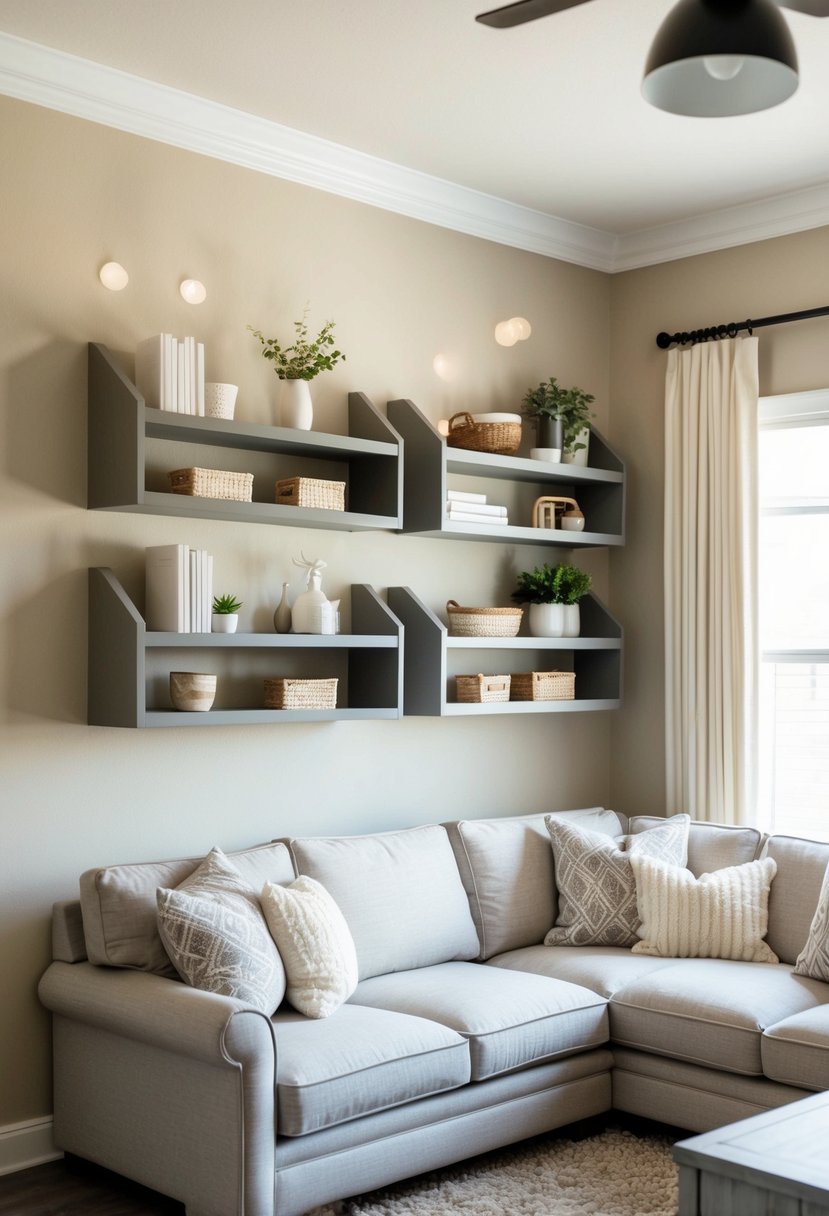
663 340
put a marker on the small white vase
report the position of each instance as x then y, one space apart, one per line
579 457
295 406
225 622
547 620
572 621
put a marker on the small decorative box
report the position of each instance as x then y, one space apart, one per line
212 483
301 694
311 492
482 690
543 686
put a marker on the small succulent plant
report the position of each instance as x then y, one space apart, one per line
224 605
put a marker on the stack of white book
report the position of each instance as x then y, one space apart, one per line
466 508
169 373
179 589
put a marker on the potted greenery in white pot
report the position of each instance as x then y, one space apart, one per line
553 594
225 613
295 365
563 420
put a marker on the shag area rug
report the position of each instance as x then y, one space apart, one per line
613 1173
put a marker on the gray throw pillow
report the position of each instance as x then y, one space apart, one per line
214 931
813 959
595 881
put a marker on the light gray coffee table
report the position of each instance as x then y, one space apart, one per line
774 1164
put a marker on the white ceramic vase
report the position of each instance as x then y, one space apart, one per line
547 620
579 457
282 615
572 621
295 406
225 622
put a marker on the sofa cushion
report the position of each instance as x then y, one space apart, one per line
596 887
315 945
711 846
796 1051
511 1020
602 969
507 870
118 904
813 959
801 865
213 929
400 893
357 1062
719 915
709 1011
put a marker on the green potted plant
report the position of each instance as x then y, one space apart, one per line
296 364
553 594
563 418
225 613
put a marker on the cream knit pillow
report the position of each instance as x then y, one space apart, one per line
315 943
813 959
720 915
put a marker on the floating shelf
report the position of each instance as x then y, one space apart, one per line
122 429
596 658
129 667
429 464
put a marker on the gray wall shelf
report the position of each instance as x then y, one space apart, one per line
121 430
129 667
595 656
430 464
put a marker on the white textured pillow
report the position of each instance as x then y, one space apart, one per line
213 930
596 887
813 959
315 944
723 914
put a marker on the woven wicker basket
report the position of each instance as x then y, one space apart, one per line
483 622
543 686
300 694
482 690
311 492
501 438
212 483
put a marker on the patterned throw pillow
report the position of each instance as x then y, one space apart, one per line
723 914
315 944
813 959
596 887
213 929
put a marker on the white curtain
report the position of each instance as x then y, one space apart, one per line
711 659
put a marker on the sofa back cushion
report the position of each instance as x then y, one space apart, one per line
400 893
711 846
507 870
118 904
801 865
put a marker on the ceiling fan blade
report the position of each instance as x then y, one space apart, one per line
815 8
526 10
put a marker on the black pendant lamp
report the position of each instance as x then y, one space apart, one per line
713 58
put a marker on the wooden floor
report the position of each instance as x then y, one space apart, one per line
68 1189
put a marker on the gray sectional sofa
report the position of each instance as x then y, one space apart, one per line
465 1032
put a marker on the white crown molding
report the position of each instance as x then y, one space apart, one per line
26 1144
47 77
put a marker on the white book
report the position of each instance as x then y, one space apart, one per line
149 370
200 379
208 594
194 407
486 521
167 583
174 397
476 508
183 380
463 496
168 403
192 575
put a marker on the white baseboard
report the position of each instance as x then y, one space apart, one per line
26 1144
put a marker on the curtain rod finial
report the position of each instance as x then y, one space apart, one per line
663 340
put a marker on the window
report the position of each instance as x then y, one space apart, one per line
794 613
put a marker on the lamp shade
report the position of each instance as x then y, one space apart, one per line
713 58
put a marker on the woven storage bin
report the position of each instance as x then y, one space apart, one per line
212 483
311 492
300 694
482 690
543 686
502 438
483 622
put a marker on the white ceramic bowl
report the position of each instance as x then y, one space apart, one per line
553 455
496 417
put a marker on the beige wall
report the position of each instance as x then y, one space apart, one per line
763 279
74 195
